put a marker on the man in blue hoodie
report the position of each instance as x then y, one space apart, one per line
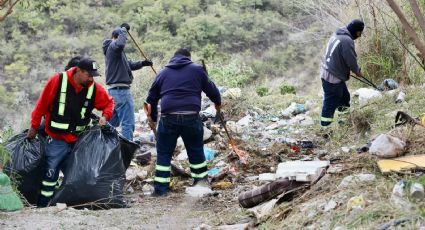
119 78
179 86
340 58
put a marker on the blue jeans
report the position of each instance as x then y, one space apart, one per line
56 152
336 96
170 127
123 111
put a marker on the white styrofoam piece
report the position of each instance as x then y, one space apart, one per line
301 170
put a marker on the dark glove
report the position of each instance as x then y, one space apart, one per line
147 63
126 26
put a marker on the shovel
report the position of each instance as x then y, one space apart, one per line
366 81
243 156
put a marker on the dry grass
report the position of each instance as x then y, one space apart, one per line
364 123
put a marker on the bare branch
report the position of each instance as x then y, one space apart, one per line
381 12
418 14
407 27
9 9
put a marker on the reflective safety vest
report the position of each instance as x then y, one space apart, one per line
71 111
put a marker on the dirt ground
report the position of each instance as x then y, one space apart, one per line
176 211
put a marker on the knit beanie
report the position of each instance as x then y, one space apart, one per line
354 26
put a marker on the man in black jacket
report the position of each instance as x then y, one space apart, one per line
179 87
340 58
119 78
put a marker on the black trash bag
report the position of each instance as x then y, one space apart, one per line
26 164
94 175
128 148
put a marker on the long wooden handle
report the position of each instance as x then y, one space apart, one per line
140 49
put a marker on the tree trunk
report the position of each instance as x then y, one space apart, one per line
407 27
9 8
418 14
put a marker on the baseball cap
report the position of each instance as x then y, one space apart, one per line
89 65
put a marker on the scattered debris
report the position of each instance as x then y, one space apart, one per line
266 192
400 97
417 191
198 191
356 202
355 179
401 164
386 146
398 196
302 171
365 94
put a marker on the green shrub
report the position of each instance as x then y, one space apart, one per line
262 91
287 89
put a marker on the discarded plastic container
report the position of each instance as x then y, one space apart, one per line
400 97
417 191
397 196
209 153
266 192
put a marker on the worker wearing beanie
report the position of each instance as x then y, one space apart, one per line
339 59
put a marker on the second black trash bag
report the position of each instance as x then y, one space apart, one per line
94 173
26 164
127 150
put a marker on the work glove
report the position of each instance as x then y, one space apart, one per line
147 63
126 26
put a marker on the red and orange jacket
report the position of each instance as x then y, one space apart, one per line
102 102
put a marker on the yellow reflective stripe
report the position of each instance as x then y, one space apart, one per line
64 82
198 166
62 97
90 92
202 175
46 193
83 112
47 183
163 168
59 125
162 179
80 128
327 119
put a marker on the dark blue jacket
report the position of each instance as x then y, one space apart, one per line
340 57
118 67
179 86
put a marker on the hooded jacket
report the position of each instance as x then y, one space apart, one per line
118 67
340 56
179 86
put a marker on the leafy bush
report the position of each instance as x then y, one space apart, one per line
262 91
287 89
231 75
